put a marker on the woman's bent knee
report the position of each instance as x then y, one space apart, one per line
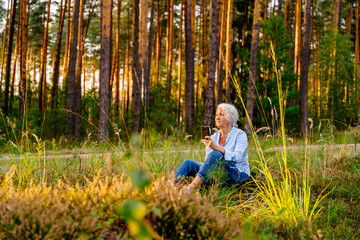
215 155
188 162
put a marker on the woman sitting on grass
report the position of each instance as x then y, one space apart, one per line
228 145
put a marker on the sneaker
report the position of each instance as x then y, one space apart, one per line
186 190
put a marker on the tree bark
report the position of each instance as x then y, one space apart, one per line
158 42
305 71
127 66
149 51
136 71
42 87
105 68
357 60
143 42
253 60
228 50
67 44
297 42
214 52
221 7
143 38
117 59
349 17
337 13
72 70
23 56
169 47
79 63
180 61
3 44
8 59
15 61
266 9
286 14
189 58
279 12
62 12
244 27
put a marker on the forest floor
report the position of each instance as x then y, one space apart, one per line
86 187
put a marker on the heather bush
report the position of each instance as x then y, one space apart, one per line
107 207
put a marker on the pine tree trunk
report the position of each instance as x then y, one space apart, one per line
158 42
8 60
286 14
221 7
123 90
16 53
305 71
169 45
337 13
149 51
349 16
357 60
205 39
357 34
62 12
253 60
23 55
117 59
3 44
81 41
143 38
42 87
105 68
71 98
136 71
143 41
228 50
198 81
214 51
67 44
244 27
127 67
297 42
189 66
265 9
180 61
279 12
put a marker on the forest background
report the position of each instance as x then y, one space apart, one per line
71 67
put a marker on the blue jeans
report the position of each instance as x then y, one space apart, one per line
192 168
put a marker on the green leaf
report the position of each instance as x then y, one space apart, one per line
133 210
139 179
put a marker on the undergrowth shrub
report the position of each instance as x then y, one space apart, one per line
99 210
177 215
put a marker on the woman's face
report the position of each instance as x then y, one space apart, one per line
221 118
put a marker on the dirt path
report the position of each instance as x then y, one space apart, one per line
314 147
102 155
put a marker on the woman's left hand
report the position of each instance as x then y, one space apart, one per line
211 144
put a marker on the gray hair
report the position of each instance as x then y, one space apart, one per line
231 112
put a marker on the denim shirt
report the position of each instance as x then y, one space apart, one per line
235 148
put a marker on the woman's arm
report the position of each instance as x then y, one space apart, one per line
239 143
211 144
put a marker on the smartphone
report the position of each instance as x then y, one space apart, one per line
205 131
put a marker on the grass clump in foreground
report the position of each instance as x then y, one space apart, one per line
286 200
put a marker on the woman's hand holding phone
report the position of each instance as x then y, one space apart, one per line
207 141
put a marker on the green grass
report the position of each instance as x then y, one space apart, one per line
335 170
